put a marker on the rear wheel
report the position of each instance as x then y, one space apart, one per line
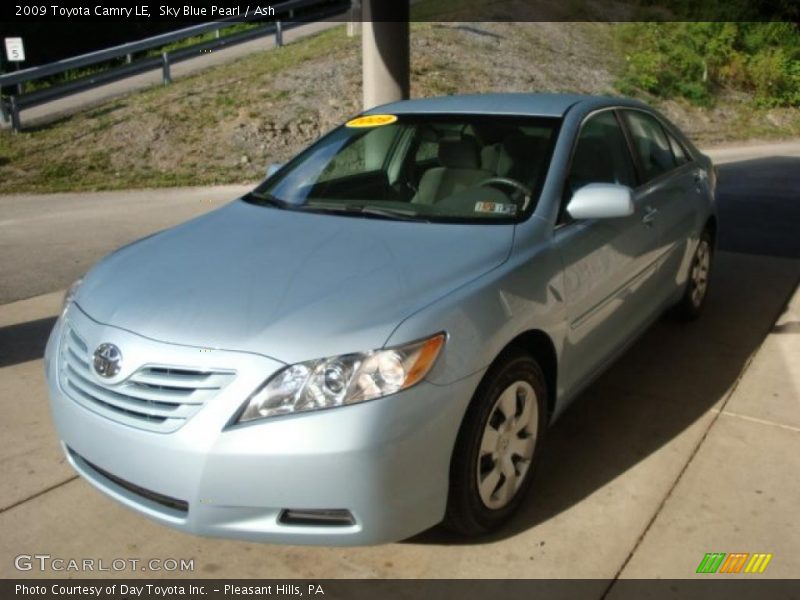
497 446
694 298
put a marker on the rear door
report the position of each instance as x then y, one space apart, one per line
608 270
671 190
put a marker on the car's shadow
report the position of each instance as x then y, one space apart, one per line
24 341
675 372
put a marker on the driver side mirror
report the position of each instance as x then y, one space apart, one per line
601 201
273 168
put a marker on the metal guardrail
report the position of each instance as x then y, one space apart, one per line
287 15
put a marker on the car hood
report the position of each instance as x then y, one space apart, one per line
286 284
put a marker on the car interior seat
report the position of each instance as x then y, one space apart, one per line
518 156
460 169
657 159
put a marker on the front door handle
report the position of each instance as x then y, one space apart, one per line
699 180
649 216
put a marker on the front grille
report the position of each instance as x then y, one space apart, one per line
167 501
155 397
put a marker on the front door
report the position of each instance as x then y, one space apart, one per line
608 268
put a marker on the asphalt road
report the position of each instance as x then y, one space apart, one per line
672 453
759 201
48 241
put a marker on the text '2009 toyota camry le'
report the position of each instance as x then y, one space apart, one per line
376 338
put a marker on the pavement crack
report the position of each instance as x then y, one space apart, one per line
695 450
37 494
792 428
716 412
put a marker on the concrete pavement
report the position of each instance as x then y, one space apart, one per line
740 491
735 152
678 450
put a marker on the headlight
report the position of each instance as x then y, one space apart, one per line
69 296
341 380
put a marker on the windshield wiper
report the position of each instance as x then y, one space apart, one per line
390 213
386 213
266 199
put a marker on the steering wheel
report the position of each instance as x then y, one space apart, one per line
517 185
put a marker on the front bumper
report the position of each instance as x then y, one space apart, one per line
385 461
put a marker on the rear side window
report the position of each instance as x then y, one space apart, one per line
651 144
601 154
681 157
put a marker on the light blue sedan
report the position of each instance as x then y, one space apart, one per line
376 338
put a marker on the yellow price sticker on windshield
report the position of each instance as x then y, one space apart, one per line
372 121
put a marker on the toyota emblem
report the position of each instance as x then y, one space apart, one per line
107 360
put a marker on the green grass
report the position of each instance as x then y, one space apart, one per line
107 148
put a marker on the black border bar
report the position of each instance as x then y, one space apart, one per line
712 587
74 11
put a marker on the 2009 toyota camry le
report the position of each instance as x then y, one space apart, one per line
376 338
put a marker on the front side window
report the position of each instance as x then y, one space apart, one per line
601 154
423 167
652 146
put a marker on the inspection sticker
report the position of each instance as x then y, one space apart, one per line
498 208
372 121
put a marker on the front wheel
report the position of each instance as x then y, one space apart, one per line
694 298
497 447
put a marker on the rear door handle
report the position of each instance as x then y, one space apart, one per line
649 216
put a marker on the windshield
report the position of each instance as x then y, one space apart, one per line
462 168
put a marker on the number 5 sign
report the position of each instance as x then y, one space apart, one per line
15 51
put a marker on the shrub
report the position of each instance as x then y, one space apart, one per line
697 60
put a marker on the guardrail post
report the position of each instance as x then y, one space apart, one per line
278 34
165 68
128 58
15 124
354 22
21 84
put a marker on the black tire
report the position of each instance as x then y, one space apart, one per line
693 301
467 513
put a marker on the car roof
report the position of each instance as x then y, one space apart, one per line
527 104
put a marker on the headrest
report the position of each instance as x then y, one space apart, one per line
489 157
517 151
459 154
524 147
660 157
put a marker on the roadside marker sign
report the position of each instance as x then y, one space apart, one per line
15 50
